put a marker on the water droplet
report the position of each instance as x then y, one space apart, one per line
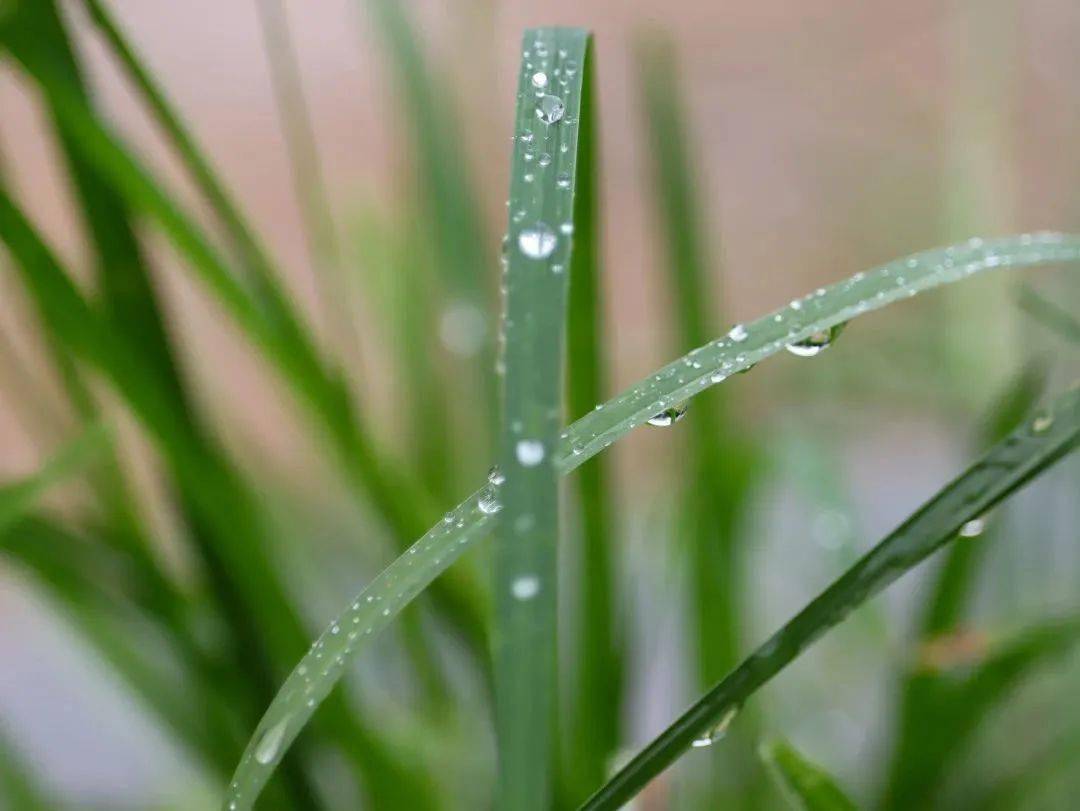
973 528
550 109
669 416
563 180
737 333
526 587
1042 422
269 746
718 731
539 80
538 241
526 137
545 159
488 504
816 342
496 477
529 452
567 228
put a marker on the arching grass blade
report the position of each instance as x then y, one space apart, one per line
1014 461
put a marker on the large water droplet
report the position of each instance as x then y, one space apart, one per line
669 416
737 333
496 477
550 109
816 342
269 746
529 452
539 80
537 241
718 731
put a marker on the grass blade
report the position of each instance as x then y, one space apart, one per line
19 497
1049 314
959 705
1011 463
806 786
547 122
586 437
596 697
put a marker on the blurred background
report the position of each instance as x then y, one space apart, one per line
770 147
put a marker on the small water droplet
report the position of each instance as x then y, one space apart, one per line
669 416
538 241
525 587
495 476
563 180
545 159
973 528
737 333
717 732
816 342
539 80
269 746
529 452
1042 422
526 137
488 504
550 109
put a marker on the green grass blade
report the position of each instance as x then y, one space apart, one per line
1049 314
1011 463
447 193
546 126
19 786
806 786
265 315
959 704
19 497
712 451
951 593
372 610
589 435
311 193
593 716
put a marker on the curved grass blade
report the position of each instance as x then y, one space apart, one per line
674 383
1018 458
546 126
806 786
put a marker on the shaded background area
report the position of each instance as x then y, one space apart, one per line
824 139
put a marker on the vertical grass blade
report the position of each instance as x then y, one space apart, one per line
540 240
593 714
313 679
714 455
1021 456
806 786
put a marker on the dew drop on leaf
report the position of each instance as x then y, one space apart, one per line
816 342
269 745
550 109
973 528
737 333
717 732
529 452
488 504
537 241
539 80
668 417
